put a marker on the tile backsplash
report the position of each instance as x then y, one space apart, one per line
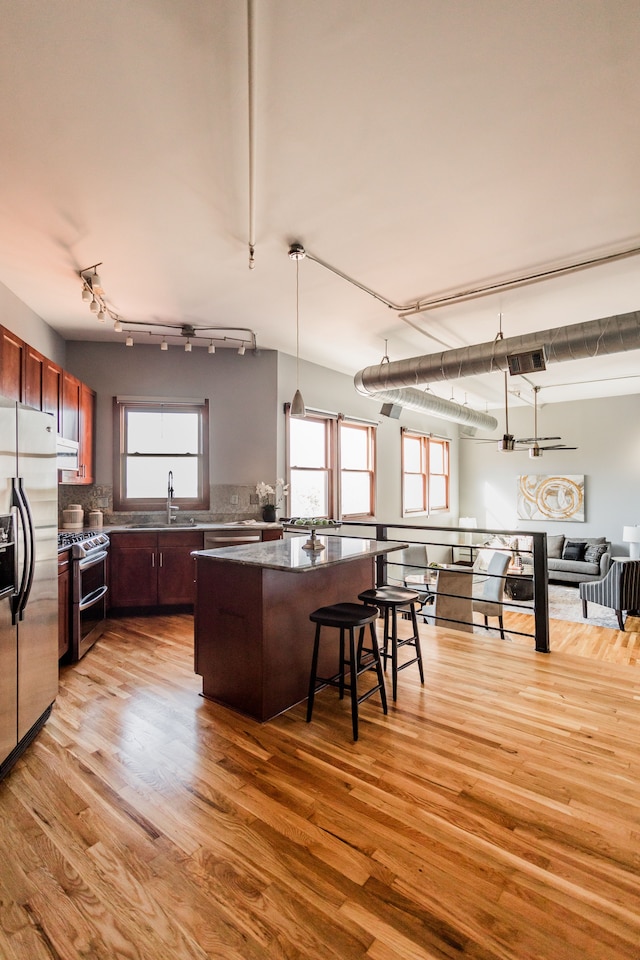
228 503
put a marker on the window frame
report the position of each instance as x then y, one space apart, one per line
333 468
426 439
121 406
370 430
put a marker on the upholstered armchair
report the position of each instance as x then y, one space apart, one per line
620 589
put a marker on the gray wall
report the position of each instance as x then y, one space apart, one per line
17 317
607 434
247 396
241 392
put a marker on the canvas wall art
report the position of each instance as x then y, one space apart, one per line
543 497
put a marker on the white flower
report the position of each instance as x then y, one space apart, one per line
272 493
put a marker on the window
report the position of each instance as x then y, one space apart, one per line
331 467
357 475
425 473
153 437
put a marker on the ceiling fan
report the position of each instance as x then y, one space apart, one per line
508 442
533 443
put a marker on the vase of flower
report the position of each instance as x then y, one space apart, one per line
270 496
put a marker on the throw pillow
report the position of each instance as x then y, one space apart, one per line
573 550
594 552
554 547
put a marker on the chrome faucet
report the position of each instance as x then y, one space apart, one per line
171 508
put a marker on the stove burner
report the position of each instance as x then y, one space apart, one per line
83 543
66 539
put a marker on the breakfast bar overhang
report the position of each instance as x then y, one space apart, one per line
253 636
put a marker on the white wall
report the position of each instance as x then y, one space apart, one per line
607 435
17 317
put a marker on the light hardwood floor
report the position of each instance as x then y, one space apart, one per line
494 813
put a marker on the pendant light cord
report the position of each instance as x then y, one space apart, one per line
297 324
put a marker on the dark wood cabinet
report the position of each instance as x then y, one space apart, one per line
52 391
153 568
12 365
34 364
64 604
77 420
176 567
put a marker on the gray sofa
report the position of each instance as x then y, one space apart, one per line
576 565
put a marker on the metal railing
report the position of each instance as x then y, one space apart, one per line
445 543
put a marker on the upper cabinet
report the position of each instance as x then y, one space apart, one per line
78 412
29 377
12 365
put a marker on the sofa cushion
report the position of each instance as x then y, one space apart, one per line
573 566
554 546
574 550
594 551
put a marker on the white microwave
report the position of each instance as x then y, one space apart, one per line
67 454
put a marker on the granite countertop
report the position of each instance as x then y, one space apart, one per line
289 555
133 527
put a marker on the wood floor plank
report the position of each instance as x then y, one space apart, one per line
493 814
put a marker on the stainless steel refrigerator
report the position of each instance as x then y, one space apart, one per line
28 576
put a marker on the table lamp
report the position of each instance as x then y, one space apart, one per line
631 535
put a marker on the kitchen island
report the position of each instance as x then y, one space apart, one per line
253 636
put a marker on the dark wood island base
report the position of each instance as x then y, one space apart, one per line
253 636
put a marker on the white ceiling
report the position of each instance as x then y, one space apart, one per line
420 147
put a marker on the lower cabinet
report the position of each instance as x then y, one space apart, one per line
153 569
64 604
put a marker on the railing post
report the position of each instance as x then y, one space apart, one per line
541 592
381 561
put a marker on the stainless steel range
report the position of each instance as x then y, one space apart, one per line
89 552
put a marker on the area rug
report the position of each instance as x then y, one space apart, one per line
565 604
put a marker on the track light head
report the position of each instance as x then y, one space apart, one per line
164 345
86 294
241 350
100 315
94 306
129 341
211 348
187 346
117 326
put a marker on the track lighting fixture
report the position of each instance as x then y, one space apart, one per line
233 337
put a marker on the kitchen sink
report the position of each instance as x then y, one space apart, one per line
159 524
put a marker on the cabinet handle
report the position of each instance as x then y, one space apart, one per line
161 558
153 559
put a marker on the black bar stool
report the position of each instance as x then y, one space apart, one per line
348 617
390 598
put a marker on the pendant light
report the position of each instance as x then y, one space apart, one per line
296 252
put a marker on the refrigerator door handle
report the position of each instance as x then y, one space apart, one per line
21 502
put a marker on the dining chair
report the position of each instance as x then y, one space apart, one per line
452 604
488 601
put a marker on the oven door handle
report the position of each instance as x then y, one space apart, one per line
92 598
92 560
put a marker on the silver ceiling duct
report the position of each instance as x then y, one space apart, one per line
441 409
579 341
